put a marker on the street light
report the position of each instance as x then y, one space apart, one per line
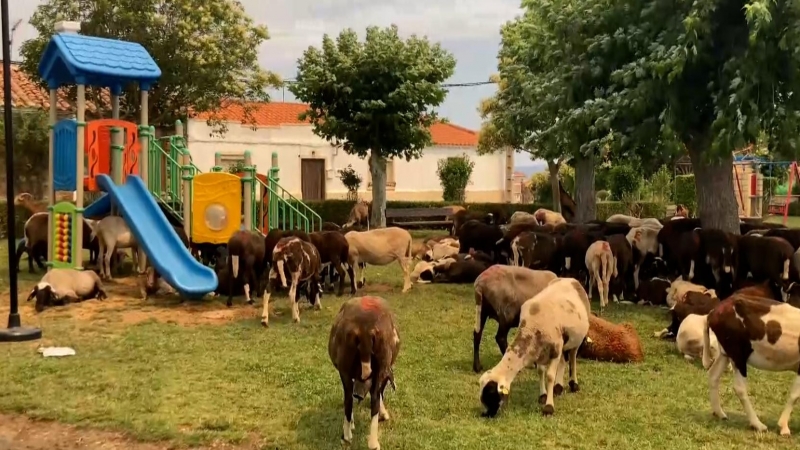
15 332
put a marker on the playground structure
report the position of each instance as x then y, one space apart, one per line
153 183
751 193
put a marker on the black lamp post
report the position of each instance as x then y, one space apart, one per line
15 332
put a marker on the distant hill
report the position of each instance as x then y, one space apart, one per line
531 168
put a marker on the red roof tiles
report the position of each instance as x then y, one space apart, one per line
276 114
27 94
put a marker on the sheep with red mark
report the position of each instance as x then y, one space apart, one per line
552 323
602 266
758 332
301 259
610 342
363 346
500 292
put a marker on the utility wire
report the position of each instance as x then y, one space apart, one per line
445 85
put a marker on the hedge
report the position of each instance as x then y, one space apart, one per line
685 193
336 211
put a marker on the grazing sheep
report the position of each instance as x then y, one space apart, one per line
59 287
758 332
500 292
546 217
610 342
380 247
363 346
334 252
302 260
246 264
113 233
689 339
553 322
602 266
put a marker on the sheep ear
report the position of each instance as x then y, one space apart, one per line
33 293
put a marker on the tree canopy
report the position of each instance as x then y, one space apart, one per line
654 76
374 97
208 52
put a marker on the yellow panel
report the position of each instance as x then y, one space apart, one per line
216 207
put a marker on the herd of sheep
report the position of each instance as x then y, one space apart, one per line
728 306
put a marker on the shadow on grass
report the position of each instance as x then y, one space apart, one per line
321 426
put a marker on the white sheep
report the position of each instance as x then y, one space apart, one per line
678 289
113 233
554 321
61 286
602 266
689 339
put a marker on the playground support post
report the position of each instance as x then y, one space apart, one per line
81 119
274 177
144 141
116 146
14 332
186 176
51 193
247 180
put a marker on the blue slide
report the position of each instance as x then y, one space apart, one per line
163 247
99 208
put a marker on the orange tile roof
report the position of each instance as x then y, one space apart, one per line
279 113
27 94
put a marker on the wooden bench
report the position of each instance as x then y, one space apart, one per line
419 217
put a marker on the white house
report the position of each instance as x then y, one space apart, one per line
309 165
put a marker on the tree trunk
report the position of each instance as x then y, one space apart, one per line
377 169
713 181
584 189
552 167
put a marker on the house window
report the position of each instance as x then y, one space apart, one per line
230 161
390 182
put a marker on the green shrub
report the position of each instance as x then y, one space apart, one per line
769 185
603 196
685 193
624 179
454 174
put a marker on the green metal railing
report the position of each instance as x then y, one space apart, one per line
279 209
165 171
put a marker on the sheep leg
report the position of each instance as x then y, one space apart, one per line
558 389
477 334
352 275
550 374
542 385
265 323
252 280
714 375
107 260
315 292
383 415
349 424
375 410
340 270
740 387
404 263
293 297
502 337
794 394
573 371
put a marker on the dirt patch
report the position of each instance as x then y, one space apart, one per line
22 433
124 305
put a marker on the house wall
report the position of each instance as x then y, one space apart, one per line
406 180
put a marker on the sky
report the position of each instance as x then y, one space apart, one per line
470 29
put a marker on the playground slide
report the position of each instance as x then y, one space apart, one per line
99 208
155 235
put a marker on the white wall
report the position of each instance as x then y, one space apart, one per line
415 179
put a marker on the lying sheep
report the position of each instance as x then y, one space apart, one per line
553 322
610 342
439 251
653 291
246 264
423 271
602 266
689 339
153 284
678 289
302 260
363 346
380 247
59 287
500 292
461 269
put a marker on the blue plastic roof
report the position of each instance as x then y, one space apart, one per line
71 58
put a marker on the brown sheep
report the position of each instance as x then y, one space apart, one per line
359 214
301 259
363 346
610 342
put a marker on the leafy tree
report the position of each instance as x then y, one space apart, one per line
659 76
375 98
31 150
207 52
500 130
454 174
351 180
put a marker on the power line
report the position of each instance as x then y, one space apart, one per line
445 85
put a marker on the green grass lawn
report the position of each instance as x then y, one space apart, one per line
151 370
